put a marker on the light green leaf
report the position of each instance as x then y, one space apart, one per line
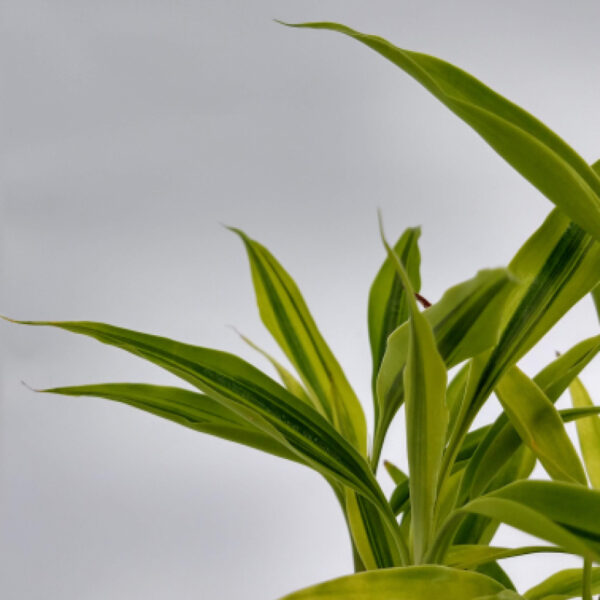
588 431
372 538
469 556
396 473
285 314
465 322
501 440
596 298
539 425
245 390
556 377
556 267
408 583
563 585
561 513
535 151
289 381
190 409
387 304
426 416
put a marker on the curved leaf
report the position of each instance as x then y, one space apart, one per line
190 409
539 425
469 556
535 151
285 314
588 431
563 585
407 583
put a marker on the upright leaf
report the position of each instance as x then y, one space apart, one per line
539 425
535 151
387 302
465 322
588 431
285 314
426 416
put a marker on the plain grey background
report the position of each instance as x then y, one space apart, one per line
130 131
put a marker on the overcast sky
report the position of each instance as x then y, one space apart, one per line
131 132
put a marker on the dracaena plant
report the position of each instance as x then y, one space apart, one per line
432 537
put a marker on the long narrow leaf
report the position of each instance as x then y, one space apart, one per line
465 322
248 392
525 143
539 425
409 583
469 556
426 416
285 314
563 586
387 302
588 431
190 409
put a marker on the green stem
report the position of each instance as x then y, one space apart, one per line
587 580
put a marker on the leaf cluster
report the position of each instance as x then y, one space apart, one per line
432 537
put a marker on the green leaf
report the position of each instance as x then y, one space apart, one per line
396 473
408 583
561 513
563 586
251 394
285 314
289 381
469 556
387 302
372 538
555 378
502 440
556 267
596 298
426 415
190 409
465 322
539 425
535 151
588 431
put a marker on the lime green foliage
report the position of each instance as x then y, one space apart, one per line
432 537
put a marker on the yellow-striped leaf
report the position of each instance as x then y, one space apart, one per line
535 151
285 314
588 431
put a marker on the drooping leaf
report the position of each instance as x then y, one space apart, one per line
469 556
539 425
426 415
251 394
530 147
285 314
563 586
407 583
588 431
561 513
387 303
191 409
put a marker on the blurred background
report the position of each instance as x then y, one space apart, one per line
131 132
